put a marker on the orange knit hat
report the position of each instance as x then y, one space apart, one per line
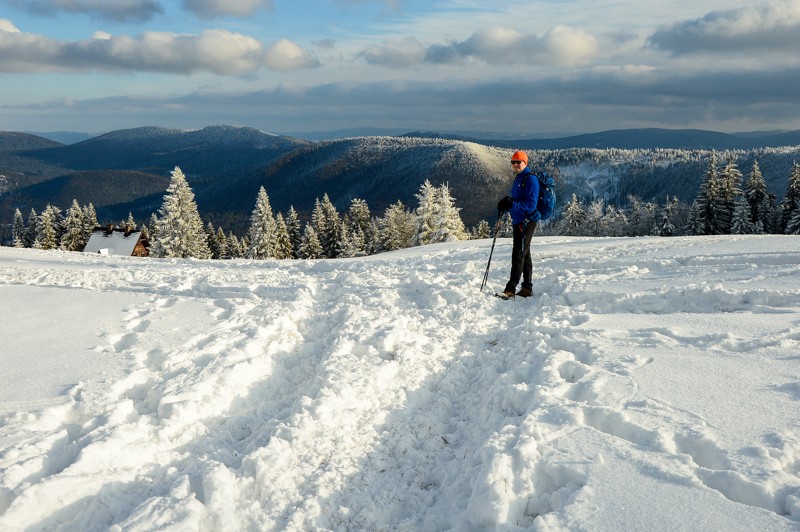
520 156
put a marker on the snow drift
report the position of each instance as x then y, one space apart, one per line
651 384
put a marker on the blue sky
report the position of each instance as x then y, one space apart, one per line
293 66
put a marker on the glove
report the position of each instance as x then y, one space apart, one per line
504 205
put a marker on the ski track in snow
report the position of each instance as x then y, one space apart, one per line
354 394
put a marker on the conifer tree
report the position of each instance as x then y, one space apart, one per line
221 244
74 238
361 219
129 224
18 230
740 222
593 220
707 203
426 214
573 218
730 181
179 229
48 228
791 202
482 230
397 228
310 248
327 225
211 238
448 224
90 222
758 199
614 222
283 242
262 229
294 228
33 229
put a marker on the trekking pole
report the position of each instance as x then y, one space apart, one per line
496 230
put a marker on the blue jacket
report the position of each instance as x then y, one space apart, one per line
524 198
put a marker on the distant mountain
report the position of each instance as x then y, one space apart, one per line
219 150
128 170
63 137
15 141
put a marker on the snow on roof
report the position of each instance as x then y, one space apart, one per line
115 243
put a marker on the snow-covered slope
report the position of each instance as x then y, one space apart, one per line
651 384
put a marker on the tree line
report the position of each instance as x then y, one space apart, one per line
726 203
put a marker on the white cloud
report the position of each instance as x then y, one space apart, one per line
561 46
569 47
403 53
218 51
285 55
775 26
7 26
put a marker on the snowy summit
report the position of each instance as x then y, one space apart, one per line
650 384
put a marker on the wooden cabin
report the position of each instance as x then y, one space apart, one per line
117 241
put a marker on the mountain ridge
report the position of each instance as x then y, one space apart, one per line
121 171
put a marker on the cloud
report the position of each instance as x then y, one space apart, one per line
8 26
116 10
222 8
561 46
773 26
404 53
218 51
284 55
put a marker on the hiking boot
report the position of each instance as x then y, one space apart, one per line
525 291
508 294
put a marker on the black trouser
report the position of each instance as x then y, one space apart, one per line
521 265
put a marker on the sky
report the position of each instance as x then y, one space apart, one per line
650 384
293 66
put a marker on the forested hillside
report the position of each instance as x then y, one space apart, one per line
125 172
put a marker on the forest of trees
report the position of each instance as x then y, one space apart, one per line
727 202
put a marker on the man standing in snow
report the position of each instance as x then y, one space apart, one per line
522 206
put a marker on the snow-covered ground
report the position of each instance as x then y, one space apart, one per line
651 384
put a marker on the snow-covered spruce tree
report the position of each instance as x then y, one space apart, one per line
572 218
220 244
707 203
351 243
327 225
49 228
310 248
642 218
283 242
740 221
18 230
426 214
615 222
730 181
791 203
396 228
758 199
664 225
361 218
179 229
262 229
448 224
90 222
593 221
32 229
211 239
295 230
482 230
74 238
129 224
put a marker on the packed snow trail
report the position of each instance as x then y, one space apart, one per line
388 393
